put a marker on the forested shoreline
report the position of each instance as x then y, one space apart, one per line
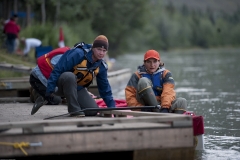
130 25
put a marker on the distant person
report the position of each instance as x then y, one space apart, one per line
30 43
16 44
153 85
74 72
11 29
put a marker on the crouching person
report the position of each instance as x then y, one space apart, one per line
74 72
153 85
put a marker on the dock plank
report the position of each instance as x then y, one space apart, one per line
144 134
100 141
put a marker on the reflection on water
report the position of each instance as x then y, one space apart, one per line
210 81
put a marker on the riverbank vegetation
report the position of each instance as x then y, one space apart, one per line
130 25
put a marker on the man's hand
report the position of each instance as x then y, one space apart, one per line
49 97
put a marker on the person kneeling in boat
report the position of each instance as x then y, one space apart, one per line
153 85
74 72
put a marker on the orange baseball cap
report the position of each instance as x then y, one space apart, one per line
151 54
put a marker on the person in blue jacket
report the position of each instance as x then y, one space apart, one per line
74 72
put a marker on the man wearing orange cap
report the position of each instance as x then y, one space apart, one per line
74 72
153 85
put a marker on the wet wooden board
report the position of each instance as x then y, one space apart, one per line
96 140
142 133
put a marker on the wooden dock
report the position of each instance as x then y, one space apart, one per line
143 136
129 135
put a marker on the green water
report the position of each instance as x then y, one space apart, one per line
210 81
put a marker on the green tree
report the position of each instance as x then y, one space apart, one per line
119 20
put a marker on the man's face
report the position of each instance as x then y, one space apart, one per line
98 53
151 65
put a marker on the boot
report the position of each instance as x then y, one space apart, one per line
38 104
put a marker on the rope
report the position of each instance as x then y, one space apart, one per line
17 145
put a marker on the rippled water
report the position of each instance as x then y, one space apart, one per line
210 81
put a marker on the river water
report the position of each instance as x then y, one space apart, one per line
210 81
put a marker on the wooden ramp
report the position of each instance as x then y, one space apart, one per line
19 86
145 136
15 67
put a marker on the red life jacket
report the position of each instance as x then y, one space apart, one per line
44 62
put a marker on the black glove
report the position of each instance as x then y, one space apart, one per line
49 97
164 110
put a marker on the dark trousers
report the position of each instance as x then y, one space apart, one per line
10 42
37 85
41 89
76 100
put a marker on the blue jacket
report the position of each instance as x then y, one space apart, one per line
75 56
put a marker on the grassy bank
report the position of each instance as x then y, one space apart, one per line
15 59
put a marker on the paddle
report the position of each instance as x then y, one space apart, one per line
107 109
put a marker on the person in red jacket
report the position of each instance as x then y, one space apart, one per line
11 29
